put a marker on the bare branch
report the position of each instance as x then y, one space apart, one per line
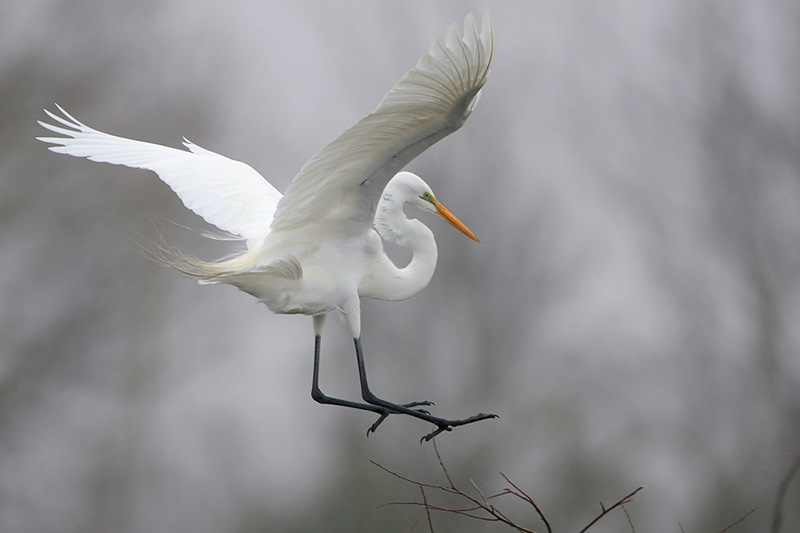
483 497
522 494
416 520
413 482
742 519
478 505
628 516
441 463
623 501
468 512
481 507
777 513
427 508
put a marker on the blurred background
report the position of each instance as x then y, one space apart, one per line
632 313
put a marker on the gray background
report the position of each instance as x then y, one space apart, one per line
632 311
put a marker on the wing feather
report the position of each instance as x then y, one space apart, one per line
433 99
226 193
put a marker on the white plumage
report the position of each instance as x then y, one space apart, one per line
315 250
226 193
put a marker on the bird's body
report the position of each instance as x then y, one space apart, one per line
325 266
319 248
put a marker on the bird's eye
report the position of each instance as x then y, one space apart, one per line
428 197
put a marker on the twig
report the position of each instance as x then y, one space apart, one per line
623 501
421 512
480 504
523 495
777 513
416 521
485 504
441 463
427 508
742 519
628 516
413 482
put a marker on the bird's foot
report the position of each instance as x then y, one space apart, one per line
378 422
442 424
448 425
415 404
388 412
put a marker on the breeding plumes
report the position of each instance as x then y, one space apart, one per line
318 248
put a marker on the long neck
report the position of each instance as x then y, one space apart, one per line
388 282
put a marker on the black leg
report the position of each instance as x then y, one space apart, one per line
442 424
320 397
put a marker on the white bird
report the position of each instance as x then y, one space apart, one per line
316 249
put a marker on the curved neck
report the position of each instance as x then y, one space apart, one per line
387 281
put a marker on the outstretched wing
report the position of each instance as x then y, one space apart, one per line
345 179
226 193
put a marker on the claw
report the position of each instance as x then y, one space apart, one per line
448 425
377 423
385 415
416 404
432 434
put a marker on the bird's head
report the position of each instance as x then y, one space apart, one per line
416 192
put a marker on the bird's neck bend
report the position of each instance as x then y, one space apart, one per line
388 281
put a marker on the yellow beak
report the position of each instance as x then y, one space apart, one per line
451 218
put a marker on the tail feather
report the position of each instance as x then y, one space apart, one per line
164 252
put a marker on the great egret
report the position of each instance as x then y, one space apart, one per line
314 250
